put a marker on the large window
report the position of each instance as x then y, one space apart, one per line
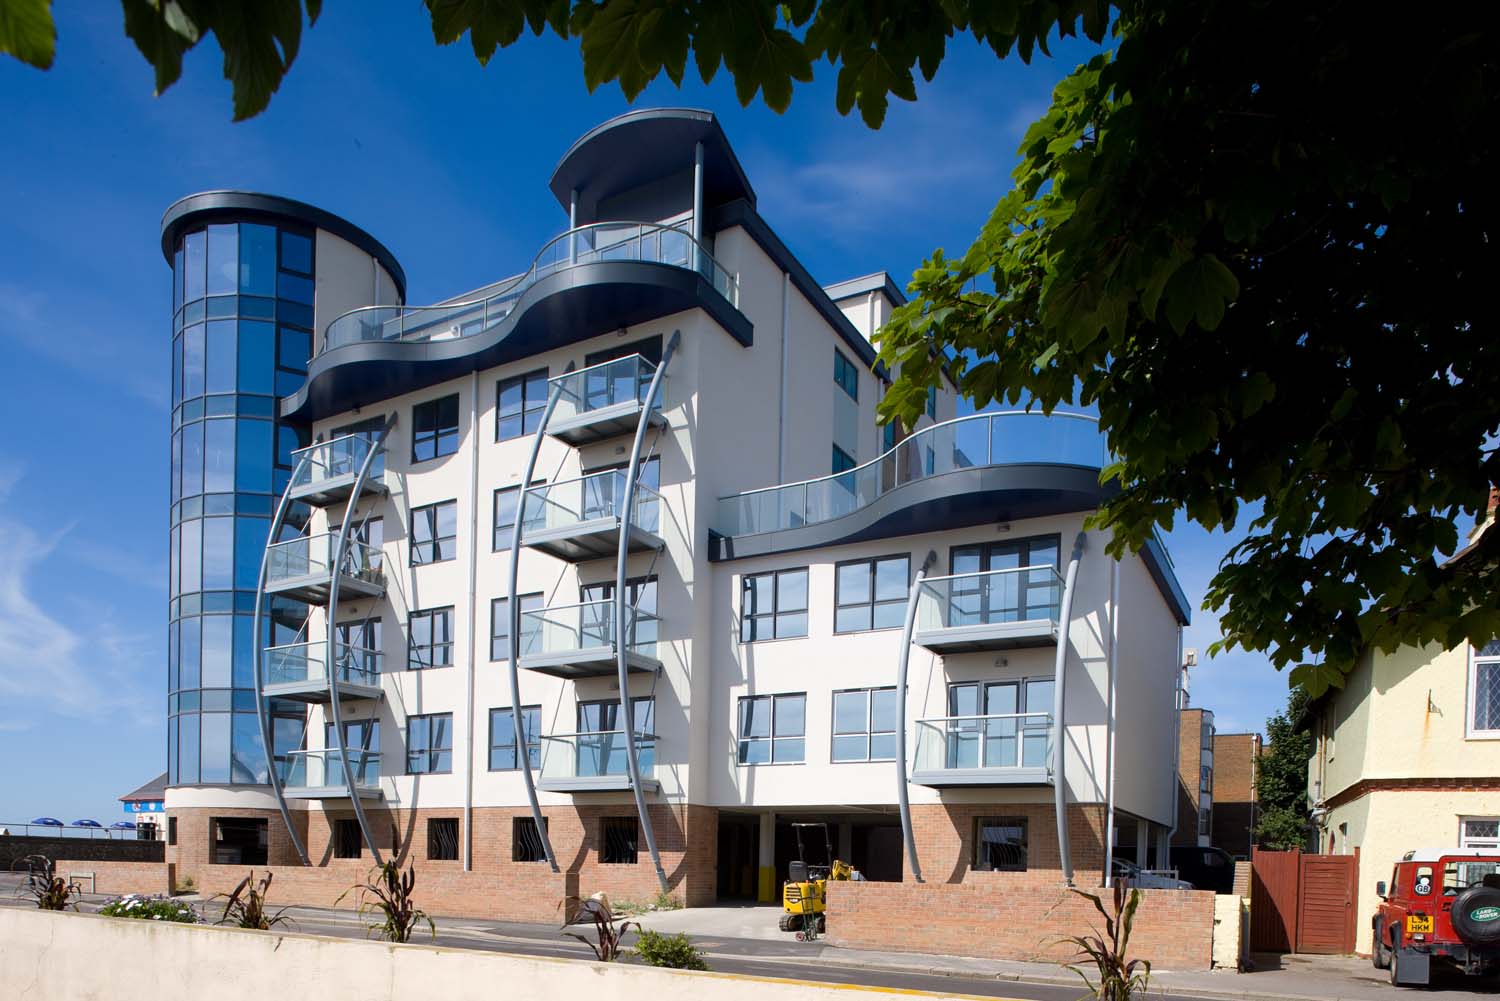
773 605
871 594
434 533
507 502
1484 691
773 729
842 460
618 840
240 840
431 632
503 738
1000 844
359 648
999 724
434 428
640 613
601 736
442 839
500 625
864 725
845 374
1004 597
429 744
519 402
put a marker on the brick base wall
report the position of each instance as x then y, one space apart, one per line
117 878
17 846
1020 916
945 840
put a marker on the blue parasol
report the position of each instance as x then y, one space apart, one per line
48 822
86 823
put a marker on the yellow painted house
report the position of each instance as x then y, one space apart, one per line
1407 756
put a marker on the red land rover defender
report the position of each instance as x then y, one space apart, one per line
1441 904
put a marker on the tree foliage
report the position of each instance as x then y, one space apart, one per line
1281 778
1255 236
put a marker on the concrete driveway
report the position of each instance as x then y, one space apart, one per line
752 921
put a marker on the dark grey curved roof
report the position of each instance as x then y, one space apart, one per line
208 206
645 145
566 307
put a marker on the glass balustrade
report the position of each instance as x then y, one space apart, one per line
307 663
601 387
993 597
587 626
569 503
335 459
1011 438
592 244
324 769
1002 741
574 757
312 556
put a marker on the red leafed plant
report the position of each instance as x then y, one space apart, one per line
608 929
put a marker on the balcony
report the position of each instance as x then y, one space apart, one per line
301 569
578 641
595 762
990 610
602 401
1010 749
319 774
326 471
299 671
577 520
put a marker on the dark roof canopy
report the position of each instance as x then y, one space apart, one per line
641 146
154 790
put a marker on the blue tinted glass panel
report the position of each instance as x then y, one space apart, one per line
218 456
253 469
221 357
296 252
193 266
294 313
257 406
222 305
287 442
257 359
176 485
257 259
223 259
249 762
218 554
173 676
215 747
192 555
187 657
174 561
288 383
243 673
249 546
172 751
187 749
177 280
296 349
294 287
176 370
217 650
192 361
192 459
254 307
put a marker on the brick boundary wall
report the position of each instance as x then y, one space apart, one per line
1015 919
119 878
18 846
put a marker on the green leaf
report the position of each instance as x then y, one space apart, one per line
162 33
27 31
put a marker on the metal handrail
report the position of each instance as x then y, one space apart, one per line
697 259
990 573
543 493
575 373
364 436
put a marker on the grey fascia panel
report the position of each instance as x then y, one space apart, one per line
331 792
594 783
946 778
880 281
1159 566
986 636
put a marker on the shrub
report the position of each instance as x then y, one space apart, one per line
44 886
150 909
675 952
1120 978
608 929
388 893
245 907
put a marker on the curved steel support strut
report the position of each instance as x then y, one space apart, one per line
627 713
901 778
257 651
1059 696
513 612
335 563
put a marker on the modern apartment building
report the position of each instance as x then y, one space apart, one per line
608 567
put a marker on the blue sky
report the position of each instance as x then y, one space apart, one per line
446 163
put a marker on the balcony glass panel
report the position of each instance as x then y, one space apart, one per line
1017 594
308 662
1008 740
588 498
311 557
342 456
324 767
590 625
597 754
623 380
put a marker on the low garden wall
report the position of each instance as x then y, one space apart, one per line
18 846
46 956
1021 920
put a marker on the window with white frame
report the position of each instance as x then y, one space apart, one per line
1484 690
773 729
864 725
1479 833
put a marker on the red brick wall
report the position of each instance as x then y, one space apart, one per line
1235 757
118 878
945 840
1015 916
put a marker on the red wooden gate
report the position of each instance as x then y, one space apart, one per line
1303 903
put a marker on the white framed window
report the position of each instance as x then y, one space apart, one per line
1479 832
1482 716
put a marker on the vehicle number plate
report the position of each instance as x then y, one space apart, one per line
1419 924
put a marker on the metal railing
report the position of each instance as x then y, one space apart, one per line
591 244
317 769
588 625
341 456
1000 740
622 380
311 556
299 662
596 754
1014 437
587 498
988 597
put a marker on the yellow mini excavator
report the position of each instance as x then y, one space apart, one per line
804 900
